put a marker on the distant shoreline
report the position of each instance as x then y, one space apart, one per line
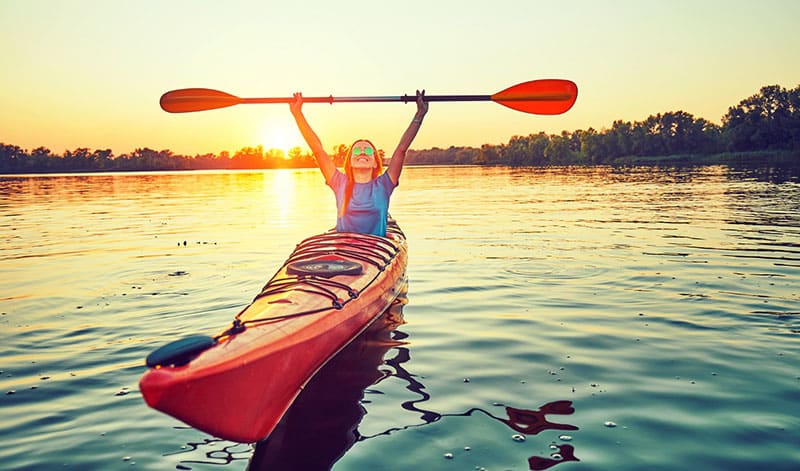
753 159
760 158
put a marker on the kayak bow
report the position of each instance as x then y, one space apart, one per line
238 384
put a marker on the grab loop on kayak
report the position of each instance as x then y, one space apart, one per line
237 328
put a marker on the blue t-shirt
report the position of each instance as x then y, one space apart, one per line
368 209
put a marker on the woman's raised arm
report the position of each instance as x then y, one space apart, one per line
324 161
399 155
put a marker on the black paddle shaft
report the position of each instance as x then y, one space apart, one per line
361 99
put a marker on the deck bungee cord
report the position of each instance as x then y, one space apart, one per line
319 284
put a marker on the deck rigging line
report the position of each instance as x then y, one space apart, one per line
369 249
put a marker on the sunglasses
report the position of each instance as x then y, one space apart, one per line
365 150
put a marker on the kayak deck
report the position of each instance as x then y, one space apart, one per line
238 386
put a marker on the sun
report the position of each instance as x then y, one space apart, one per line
280 136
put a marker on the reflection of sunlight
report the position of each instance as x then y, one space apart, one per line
279 193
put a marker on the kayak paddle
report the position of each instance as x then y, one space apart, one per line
547 96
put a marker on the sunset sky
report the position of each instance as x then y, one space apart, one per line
89 73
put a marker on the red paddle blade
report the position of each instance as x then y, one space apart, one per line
196 99
549 96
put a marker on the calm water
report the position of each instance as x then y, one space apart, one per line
587 319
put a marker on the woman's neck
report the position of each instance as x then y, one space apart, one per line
362 175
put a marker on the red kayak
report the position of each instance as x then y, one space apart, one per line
238 384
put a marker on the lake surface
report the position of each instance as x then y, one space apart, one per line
575 319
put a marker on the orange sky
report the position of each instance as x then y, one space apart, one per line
89 73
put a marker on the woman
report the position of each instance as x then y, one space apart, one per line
363 190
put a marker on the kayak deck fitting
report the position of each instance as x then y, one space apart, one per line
238 384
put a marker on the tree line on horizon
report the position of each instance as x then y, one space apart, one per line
767 121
